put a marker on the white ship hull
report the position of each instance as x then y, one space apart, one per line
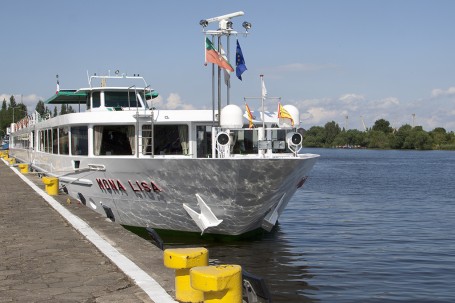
152 192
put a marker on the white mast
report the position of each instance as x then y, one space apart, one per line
224 29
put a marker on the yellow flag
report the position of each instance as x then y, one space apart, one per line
250 116
283 113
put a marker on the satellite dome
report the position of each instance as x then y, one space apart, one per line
231 117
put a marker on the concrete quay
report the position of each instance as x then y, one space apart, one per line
78 257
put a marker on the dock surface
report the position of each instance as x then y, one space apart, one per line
43 258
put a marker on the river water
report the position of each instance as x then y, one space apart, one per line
368 226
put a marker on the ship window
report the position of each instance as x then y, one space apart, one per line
21 141
79 140
63 140
169 140
114 140
120 99
41 140
54 141
96 100
87 102
48 141
204 141
244 141
279 141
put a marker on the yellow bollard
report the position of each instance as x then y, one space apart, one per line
220 284
23 167
11 161
51 185
182 260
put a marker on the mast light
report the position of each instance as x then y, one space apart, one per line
246 25
203 23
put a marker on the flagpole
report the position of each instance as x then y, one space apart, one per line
213 89
262 99
228 84
219 85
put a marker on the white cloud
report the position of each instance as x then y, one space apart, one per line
437 92
318 115
174 101
352 101
386 103
301 67
350 98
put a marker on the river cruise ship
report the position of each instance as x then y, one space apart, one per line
184 170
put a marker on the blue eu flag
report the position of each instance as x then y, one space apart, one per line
239 62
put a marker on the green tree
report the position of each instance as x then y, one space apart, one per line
351 138
332 130
418 139
397 139
20 111
4 116
314 137
341 139
63 109
15 111
12 102
357 138
40 108
55 111
382 126
440 137
378 139
70 109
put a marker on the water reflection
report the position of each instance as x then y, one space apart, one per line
268 255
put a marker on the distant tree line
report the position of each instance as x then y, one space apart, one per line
381 136
12 112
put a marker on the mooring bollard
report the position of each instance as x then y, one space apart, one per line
51 185
220 284
182 260
23 167
11 161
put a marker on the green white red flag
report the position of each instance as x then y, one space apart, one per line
213 56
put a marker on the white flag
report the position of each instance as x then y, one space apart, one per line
264 90
227 74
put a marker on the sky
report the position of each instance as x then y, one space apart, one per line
343 61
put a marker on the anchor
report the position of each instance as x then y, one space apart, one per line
206 218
